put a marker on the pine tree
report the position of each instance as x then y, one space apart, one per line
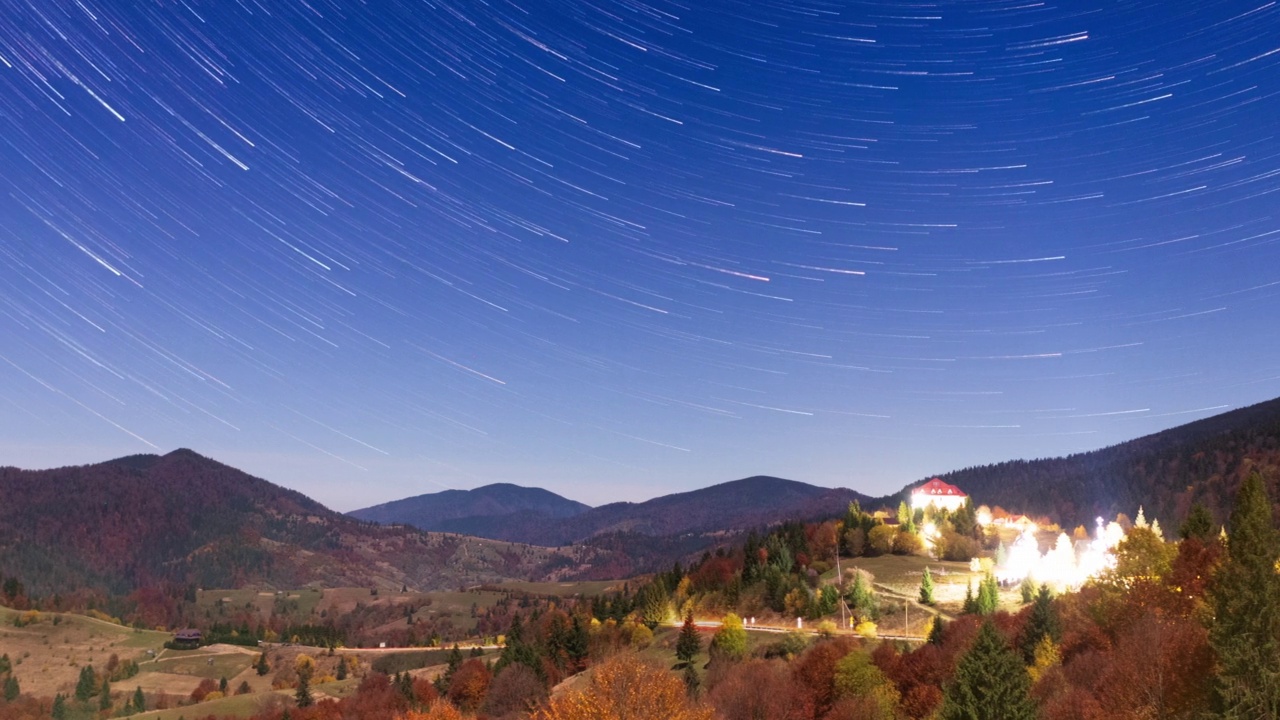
139 700
261 666
303 696
926 587
342 670
87 684
862 600
222 685
59 707
1199 524
988 595
5 664
1028 590
11 689
104 697
1043 622
1245 597
937 631
990 682
689 644
970 606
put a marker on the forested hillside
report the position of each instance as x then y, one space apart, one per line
183 518
1166 472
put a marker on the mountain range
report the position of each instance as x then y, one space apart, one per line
184 518
553 520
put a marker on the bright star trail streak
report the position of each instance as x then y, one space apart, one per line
619 248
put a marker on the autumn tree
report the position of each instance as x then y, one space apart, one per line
857 677
730 641
760 689
990 682
1245 597
880 539
514 692
625 688
305 666
689 644
470 684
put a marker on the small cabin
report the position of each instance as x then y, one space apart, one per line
188 638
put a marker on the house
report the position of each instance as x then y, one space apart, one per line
938 494
188 638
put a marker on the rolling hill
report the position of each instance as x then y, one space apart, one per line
1166 472
183 518
473 512
724 508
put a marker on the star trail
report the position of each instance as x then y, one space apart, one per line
623 248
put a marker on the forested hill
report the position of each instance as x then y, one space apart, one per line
183 518
723 508
472 511
1165 472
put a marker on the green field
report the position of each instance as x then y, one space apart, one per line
214 667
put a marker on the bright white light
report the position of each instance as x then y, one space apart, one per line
1068 565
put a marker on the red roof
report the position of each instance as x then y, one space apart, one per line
938 487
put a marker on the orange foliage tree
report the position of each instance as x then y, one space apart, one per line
626 687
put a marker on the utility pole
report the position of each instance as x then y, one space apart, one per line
839 583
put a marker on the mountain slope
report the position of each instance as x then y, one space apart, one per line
736 505
472 512
184 518
1166 472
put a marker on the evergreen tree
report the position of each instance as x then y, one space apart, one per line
1028 590
1043 622
11 689
652 603
59 707
5 664
303 695
689 644
261 666
1199 524
1245 597
970 606
926 587
937 631
222 685
342 670
139 700
104 697
578 645
862 600
988 595
87 684
990 682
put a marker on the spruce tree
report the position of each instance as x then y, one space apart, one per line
1028 590
87 684
261 666
990 682
988 595
59 707
926 587
104 697
303 696
689 644
11 689
938 631
1199 524
1041 623
1245 597
139 700
970 606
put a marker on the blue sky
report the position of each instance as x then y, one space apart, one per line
620 249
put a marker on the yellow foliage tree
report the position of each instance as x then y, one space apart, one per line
1046 656
625 687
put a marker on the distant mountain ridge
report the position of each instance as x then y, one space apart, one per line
472 512
182 518
726 507
1165 472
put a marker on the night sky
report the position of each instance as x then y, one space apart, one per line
620 249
